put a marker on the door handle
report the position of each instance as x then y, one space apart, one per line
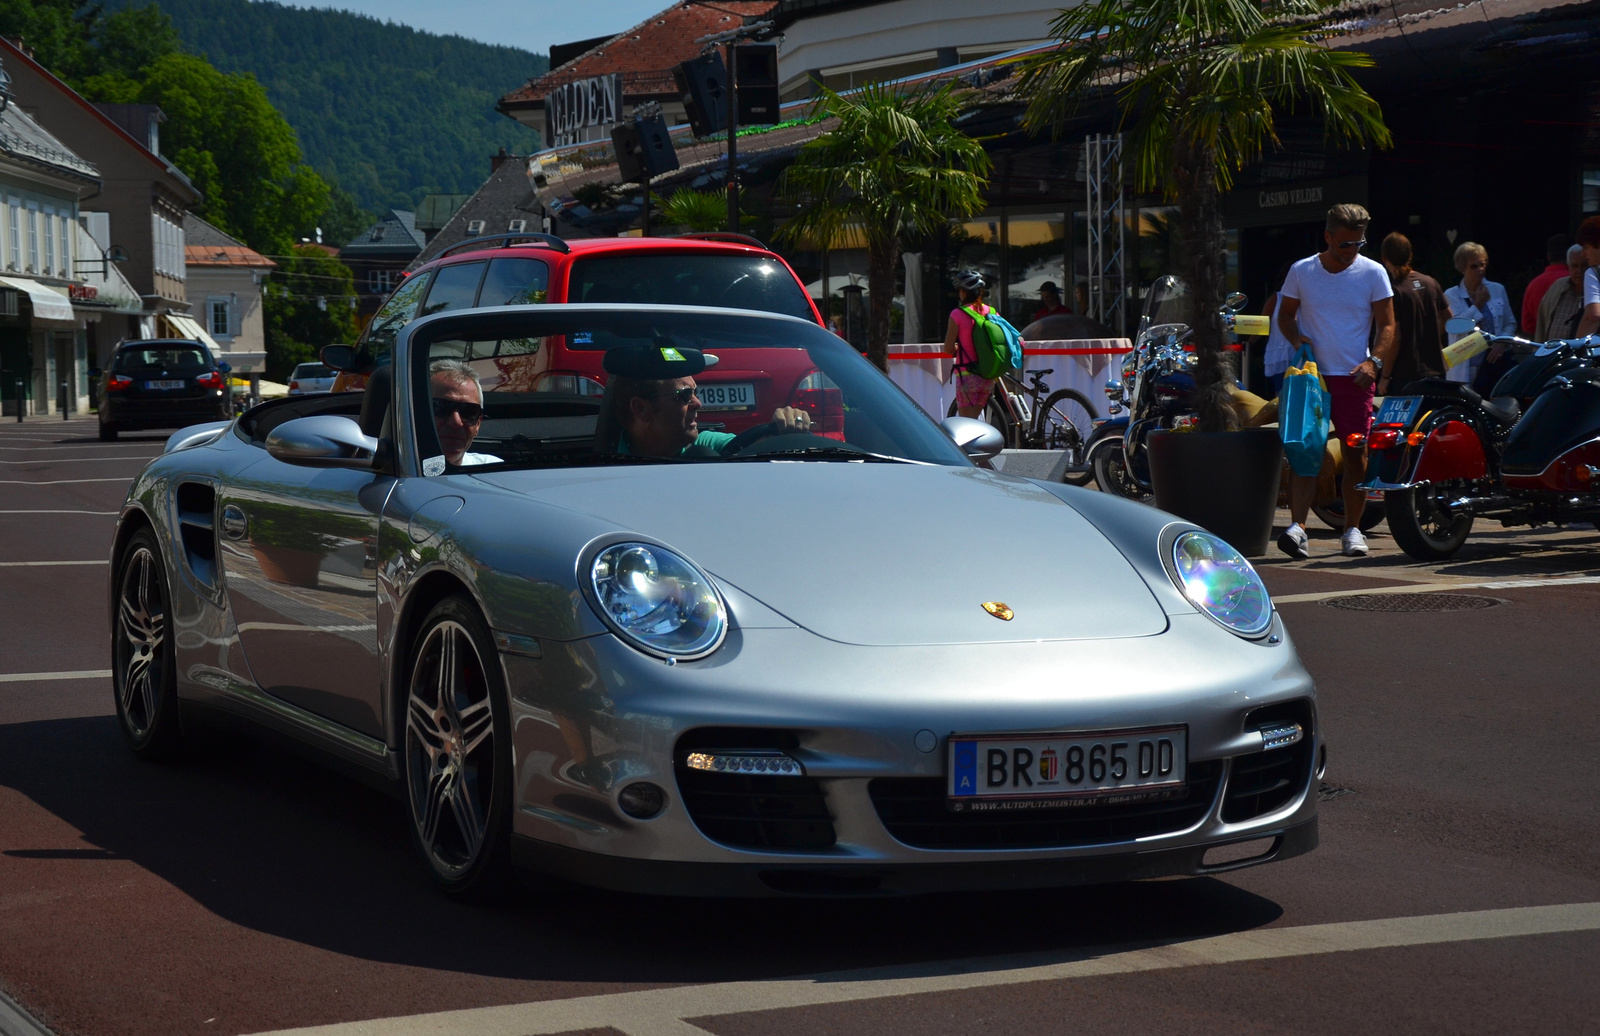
234 523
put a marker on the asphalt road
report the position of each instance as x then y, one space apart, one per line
244 890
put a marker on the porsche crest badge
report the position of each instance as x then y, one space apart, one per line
999 609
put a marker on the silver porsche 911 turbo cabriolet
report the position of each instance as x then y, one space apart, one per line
605 637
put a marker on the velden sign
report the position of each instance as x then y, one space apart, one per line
572 110
1300 201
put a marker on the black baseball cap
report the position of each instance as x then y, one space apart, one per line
656 362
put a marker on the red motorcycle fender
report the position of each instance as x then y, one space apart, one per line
1569 473
1451 450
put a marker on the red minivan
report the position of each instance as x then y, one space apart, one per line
725 270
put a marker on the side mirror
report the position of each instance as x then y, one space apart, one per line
323 441
979 440
1236 300
1460 325
341 358
224 367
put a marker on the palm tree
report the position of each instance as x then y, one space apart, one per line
699 211
895 164
1198 86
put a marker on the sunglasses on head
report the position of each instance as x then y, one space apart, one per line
1352 244
683 395
470 413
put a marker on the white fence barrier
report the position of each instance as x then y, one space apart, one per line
923 370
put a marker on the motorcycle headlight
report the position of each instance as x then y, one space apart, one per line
658 601
1220 582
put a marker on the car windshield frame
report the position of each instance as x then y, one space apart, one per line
673 262
882 409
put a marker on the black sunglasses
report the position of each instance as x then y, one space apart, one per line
471 413
683 395
1353 244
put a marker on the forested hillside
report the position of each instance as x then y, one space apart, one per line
386 112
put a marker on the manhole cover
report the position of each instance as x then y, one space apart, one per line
1412 602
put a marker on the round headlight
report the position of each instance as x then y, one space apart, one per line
1220 582
658 601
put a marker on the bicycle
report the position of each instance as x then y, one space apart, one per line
1057 424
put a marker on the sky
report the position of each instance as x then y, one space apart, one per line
529 24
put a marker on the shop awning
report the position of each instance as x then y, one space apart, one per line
48 303
187 328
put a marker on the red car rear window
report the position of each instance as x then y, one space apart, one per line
685 279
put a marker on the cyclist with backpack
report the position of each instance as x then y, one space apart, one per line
984 344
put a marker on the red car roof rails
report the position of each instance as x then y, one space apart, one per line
506 241
724 235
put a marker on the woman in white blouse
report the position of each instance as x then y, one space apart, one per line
1483 300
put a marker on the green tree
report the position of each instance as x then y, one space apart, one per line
1198 85
306 305
224 133
894 165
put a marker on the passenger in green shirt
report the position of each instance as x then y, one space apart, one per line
654 403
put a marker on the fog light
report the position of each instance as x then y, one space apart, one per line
775 763
642 800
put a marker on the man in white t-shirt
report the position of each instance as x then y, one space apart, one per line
1589 238
1333 300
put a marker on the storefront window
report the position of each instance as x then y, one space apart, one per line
1037 256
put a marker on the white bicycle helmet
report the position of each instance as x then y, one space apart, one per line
970 280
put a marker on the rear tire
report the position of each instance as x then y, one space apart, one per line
457 762
1418 523
108 432
143 675
1064 424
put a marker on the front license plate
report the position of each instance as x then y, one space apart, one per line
739 395
1397 410
171 384
1023 771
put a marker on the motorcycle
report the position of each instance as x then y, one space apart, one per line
1445 456
1156 389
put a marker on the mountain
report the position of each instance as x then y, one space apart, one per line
387 112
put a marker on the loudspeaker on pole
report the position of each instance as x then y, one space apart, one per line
703 83
644 149
756 80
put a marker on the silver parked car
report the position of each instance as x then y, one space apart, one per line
603 638
309 378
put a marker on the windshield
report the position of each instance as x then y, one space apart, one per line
1168 302
770 390
726 280
164 356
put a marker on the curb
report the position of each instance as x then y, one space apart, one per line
14 1021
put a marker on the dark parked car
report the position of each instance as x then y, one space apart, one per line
164 383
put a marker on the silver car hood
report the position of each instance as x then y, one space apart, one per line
876 554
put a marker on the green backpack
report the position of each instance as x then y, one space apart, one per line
992 342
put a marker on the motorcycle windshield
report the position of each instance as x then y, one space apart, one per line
1168 302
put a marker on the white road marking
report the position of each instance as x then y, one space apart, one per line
660 1012
61 512
81 674
1418 588
71 460
48 564
64 481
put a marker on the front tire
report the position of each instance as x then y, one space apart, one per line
1111 474
143 674
1066 414
458 754
1420 525
108 432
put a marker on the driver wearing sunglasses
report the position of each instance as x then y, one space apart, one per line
457 411
654 401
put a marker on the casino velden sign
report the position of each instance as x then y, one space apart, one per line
1302 201
581 110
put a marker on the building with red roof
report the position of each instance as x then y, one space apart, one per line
643 57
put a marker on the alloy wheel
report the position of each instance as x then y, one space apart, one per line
141 641
450 749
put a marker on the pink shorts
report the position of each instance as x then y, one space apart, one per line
1352 407
973 390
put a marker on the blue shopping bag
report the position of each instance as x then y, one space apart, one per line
1304 413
